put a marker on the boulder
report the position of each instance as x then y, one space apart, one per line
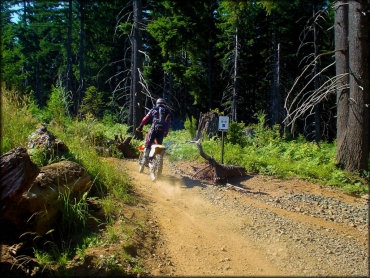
17 174
38 208
45 140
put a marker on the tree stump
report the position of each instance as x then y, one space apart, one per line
124 146
222 172
208 123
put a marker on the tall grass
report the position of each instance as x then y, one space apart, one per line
20 117
17 122
107 178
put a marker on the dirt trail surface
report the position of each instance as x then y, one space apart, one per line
269 227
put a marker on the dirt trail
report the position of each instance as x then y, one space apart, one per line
207 230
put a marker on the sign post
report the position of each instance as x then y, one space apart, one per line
223 125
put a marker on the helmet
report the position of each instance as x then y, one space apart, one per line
160 101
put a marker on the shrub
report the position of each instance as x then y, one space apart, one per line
92 103
191 126
58 105
236 133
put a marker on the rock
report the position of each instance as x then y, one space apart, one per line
39 207
17 174
45 140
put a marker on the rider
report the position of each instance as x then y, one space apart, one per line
159 116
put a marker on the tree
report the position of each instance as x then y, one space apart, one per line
341 63
78 96
135 67
353 152
69 52
275 98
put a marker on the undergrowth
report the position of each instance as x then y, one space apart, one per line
268 153
110 184
17 122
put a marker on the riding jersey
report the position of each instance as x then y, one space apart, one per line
159 116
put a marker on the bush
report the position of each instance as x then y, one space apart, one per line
58 105
191 126
92 102
236 133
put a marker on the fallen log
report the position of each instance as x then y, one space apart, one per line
17 174
222 172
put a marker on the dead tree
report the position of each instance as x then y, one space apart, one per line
221 172
208 123
305 101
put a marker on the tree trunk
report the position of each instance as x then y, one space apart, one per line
80 91
135 65
234 98
210 69
354 151
69 53
341 62
275 87
165 80
316 80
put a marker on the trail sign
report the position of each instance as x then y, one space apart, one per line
223 123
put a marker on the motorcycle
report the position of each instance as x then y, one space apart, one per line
155 161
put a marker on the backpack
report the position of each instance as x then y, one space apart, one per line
160 119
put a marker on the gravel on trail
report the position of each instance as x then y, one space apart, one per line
309 234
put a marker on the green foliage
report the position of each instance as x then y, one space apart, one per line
90 240
17 122
92 102
79 137
191 126
58 105
262 133
125 27
74 212
236 133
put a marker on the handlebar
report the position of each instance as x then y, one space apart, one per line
140 130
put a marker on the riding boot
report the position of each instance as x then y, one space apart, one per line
146 156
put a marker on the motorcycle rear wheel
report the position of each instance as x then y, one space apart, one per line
141 162
156 167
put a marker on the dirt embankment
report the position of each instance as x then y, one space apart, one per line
270 227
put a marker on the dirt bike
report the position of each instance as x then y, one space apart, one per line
155 161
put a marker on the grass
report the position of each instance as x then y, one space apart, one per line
20 117
17 122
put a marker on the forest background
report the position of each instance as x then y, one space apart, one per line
110 61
